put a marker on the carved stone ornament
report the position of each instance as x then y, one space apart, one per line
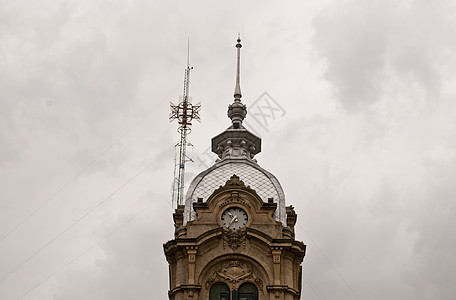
234 238
234 272
234 181
234 198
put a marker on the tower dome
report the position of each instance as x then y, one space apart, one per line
236 148
264 183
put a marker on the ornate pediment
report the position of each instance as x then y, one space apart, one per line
234 182
234 272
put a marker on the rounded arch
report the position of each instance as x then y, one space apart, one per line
233 270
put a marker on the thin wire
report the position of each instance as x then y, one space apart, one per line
330 263
73 179
82 217
314 289
206 104
91 247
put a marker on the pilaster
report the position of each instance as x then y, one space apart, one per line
191 252
276 259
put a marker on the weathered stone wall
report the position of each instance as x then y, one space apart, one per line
263 252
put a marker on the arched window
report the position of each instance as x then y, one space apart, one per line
248 291
219 291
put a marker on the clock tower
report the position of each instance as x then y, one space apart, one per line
234 237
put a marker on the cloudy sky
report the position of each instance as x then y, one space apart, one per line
361 136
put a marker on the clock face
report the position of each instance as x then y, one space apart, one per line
234 218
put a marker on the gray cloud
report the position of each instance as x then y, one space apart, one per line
367 44
373 189
123 270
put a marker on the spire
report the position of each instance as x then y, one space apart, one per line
237 111
237 89
236 142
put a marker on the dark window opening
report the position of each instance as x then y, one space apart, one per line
219 291
248 291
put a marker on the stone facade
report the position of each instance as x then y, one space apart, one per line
263 252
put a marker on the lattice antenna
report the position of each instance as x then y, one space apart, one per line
185 112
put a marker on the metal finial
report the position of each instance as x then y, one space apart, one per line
237 89
237 111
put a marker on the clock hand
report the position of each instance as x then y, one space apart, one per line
234 219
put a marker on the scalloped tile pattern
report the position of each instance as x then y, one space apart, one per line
251 176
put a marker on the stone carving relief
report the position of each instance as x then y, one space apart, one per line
234 238
234 273
234 198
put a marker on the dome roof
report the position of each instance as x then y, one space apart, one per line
236 148
264 183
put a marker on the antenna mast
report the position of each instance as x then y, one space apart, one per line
184 112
